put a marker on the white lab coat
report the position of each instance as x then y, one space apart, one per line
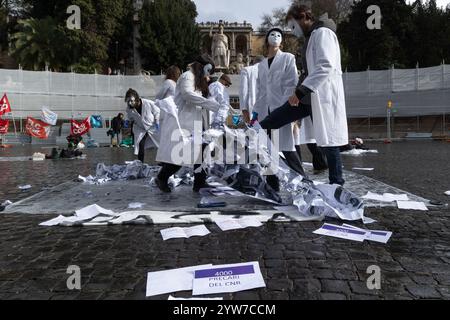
248 90
167 90
328 98
275 86
219 93
144 124
192 108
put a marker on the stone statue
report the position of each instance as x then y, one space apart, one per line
239 64
219 48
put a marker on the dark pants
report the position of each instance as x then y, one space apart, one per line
319 159
169 170
333 155
141 154
273 122
288 114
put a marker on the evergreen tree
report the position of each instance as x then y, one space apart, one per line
169 34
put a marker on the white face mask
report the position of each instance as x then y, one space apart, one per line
275 39
296 29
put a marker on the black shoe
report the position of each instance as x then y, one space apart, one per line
163 186
274 183
198 187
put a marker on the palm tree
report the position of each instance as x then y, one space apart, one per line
38 44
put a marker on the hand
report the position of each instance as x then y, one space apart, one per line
294 101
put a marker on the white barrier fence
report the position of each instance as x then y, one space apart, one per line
413 92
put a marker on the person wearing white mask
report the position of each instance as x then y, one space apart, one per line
191 98
323 85
145 115
277 79
248 89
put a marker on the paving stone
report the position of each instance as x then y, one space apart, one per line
296 264
423 292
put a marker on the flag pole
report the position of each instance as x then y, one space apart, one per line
14 122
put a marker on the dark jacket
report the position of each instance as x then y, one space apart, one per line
117 125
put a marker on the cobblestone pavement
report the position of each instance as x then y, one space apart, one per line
295 263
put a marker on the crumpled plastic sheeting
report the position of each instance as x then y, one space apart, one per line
312 200
131 171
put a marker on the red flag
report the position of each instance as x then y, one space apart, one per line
37 128
5 107
80 128
4 125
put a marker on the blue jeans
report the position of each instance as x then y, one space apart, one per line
333 155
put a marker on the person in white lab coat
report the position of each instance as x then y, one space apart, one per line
248 89
219 92
145 117
191 98
325 87
277 79
173 73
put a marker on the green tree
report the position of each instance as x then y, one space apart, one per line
103 22
35 44
381 48
168 34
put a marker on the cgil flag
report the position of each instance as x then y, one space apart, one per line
37 128
5 107
80 128
49 116
4 126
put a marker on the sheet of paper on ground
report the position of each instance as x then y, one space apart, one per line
226 224
412 205
386 197
341 232
228 278
374 235
174 233
169 281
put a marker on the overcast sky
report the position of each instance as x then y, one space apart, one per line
240 10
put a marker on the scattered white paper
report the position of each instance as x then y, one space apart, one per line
374 235
341 232
38 156
193 299
228 278
364 169
170 281
136 205
92 212
387 197
175 233
226 224
53 222
412 205
358 152
125 217
25 187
